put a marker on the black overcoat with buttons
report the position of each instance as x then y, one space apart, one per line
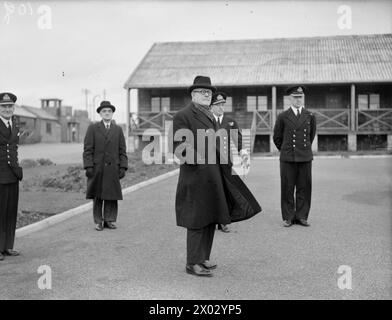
294 136
229 124
205 193
105 152
10 175
10 171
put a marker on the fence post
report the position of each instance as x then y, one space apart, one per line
352 105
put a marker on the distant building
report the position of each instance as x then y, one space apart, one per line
28 123
48 128
51 123
73 125
82 122
349 82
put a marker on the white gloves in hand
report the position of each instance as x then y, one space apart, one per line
245 158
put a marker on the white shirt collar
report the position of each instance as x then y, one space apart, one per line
218 118
6 121
295 109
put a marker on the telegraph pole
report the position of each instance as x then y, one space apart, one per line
94 106
86 92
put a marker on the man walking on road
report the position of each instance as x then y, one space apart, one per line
294 133
105 161
10 174
205 194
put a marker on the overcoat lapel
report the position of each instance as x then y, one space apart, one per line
224 124
111 132
201 117
4 133
302 117
108 134
3 130
102 129
291 116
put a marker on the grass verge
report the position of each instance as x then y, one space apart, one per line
50 189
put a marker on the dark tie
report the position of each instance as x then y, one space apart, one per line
9 129
216 126
298 113
218 123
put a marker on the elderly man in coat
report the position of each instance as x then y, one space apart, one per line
105 160
206 194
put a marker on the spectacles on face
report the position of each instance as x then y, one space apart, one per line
204 92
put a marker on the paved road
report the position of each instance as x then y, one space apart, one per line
59 153
259 259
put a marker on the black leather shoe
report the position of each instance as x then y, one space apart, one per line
209 265
10 252
224 228
303 222
110 225
1 257
99 227
198 270
287 223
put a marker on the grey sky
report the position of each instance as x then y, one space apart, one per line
98 44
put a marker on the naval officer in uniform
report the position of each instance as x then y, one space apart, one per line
234 134
294 133
10 174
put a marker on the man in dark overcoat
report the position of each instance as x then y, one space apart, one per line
233 133
205 195
294 132
105 161
10 174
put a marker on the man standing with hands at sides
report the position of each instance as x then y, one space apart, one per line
294 133
10 174
105 161
224 122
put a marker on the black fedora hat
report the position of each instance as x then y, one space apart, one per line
202 82
105 104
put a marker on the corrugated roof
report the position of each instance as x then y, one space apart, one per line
40 113
333 59
19 111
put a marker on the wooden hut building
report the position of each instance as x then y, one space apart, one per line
348 80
